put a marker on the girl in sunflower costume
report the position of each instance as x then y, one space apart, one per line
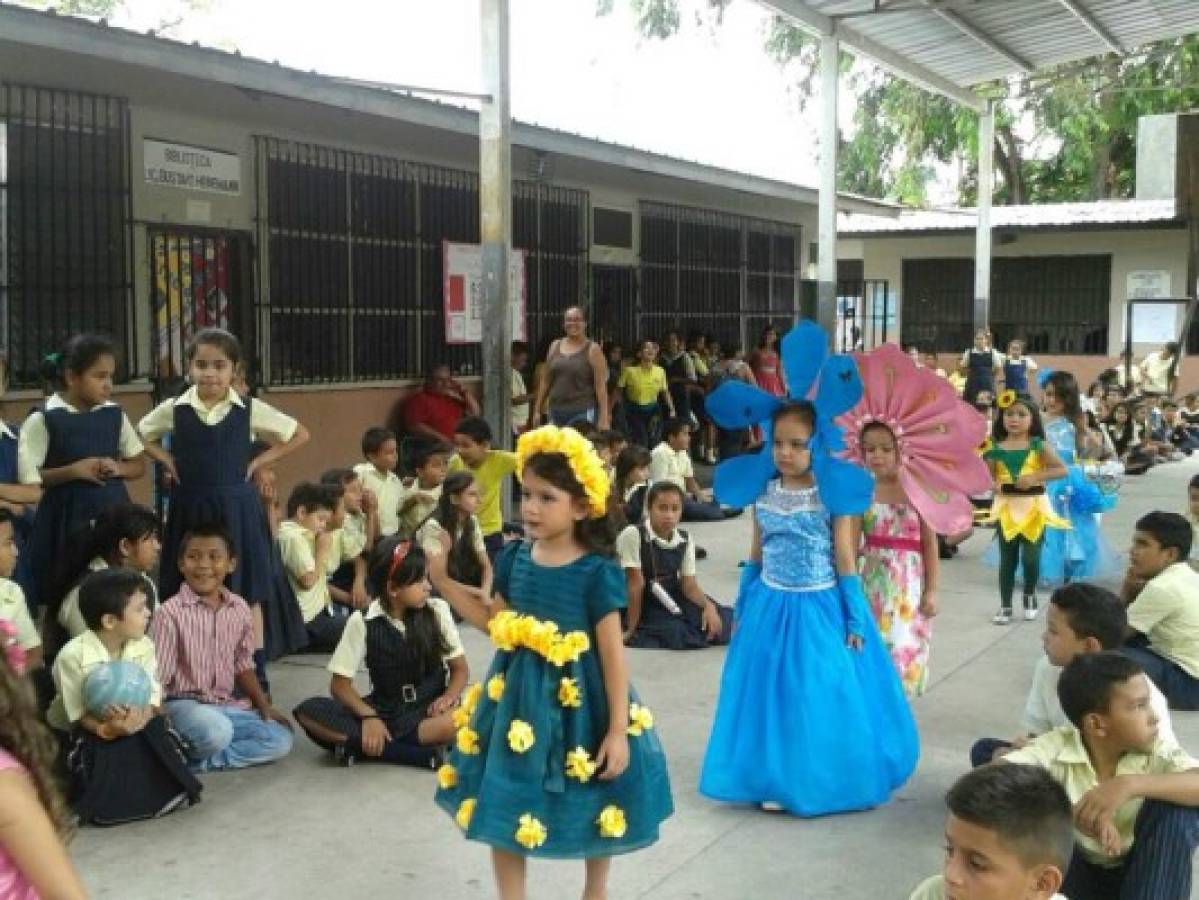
554 754
1021 462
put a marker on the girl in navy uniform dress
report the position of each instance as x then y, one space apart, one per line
213 429
19 499
80 447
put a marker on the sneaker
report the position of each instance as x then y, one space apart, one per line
343 755
701 553
1003 617
771 806
710 459
1031 608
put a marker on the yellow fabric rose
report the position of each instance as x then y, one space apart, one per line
530 833
569 693
612 822
640 719
580 765
470 697
520 736
495 687
579 643
460 717
466 811
468 740
447 776
500 628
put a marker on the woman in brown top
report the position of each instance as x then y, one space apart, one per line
574 386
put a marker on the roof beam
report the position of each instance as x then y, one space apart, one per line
798 13
1092 24
973 31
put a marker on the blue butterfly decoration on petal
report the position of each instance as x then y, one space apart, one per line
845 488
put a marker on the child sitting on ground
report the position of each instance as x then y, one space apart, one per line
421 493
1082 618
1134 797
671 461
13 607
204 637
452 540
1192 514
630 483
378 476
355 526
472 440
1163 615
667 610
310 554
123 763
406 639
1008 836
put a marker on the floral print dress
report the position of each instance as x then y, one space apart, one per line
892 566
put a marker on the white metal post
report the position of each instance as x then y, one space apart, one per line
982 238
826 263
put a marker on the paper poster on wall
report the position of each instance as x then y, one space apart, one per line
463 292
1154 323
1149 284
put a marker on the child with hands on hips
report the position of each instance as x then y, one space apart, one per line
555 756
408 642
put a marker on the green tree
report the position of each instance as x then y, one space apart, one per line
1068 133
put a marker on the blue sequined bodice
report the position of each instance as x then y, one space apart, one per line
1060 433
797 538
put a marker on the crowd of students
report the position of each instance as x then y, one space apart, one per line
378 566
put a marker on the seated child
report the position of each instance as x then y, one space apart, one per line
631 482
452 539
1182 437
1082 618
420 495
355 525
1134 797
1163 618
123 763
13 607
668 610
405 718
125 535
1192 515
472 441
608 444
378 475
671 461
1009 835
310 553
204 636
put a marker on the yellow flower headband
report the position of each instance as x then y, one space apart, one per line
1007 398
584 462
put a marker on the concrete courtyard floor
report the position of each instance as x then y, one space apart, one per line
305 829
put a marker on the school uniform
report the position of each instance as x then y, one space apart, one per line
22 524
58 435
643 389
1016 372
421 509
14 609
980 366
490 475
934 889
1166 616
297 547
70 619
463 565
350 539
137 776
666 562
211 447
389 490
1158 838
668 464
401 687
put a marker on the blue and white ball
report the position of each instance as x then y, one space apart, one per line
116 683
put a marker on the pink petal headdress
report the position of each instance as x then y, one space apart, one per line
937 434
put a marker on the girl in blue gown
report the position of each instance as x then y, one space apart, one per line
555 756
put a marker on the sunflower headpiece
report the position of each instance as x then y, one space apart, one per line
584 462
1007 398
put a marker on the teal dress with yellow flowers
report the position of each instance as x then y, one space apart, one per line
521 776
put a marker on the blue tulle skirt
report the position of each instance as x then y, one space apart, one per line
802 720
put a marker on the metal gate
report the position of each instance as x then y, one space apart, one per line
614 314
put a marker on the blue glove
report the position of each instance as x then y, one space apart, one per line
751 571
853 603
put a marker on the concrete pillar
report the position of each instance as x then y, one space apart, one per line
982 237
826 263
495 217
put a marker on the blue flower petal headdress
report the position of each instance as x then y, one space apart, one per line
834 385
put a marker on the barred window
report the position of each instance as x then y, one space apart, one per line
64 224
353 286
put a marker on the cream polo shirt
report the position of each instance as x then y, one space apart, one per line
1167 612
428 537
414 515
934 889
388 489
667 464
628 549
1156 371
69 616
14 608
78 659
350 654
265 420
351 537
297 546
34 441
1062 753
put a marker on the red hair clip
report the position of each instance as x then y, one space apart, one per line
397 556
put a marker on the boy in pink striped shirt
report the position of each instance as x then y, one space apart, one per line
204 637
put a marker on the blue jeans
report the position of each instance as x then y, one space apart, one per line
565 417
218 737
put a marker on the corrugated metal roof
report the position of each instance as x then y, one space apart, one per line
1012 36
1103 214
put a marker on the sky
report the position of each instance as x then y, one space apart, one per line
710 94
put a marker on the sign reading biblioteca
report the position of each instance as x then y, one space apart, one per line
463 292
191 168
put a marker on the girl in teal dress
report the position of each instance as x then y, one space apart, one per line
554 755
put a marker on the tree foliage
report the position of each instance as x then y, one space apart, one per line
1065 134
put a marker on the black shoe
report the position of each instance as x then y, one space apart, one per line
701 553
343 755
731 512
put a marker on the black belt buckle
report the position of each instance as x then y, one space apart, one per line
408 692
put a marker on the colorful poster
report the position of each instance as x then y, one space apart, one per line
463 292
191 291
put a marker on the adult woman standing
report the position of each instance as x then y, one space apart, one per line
1159 371
574 386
